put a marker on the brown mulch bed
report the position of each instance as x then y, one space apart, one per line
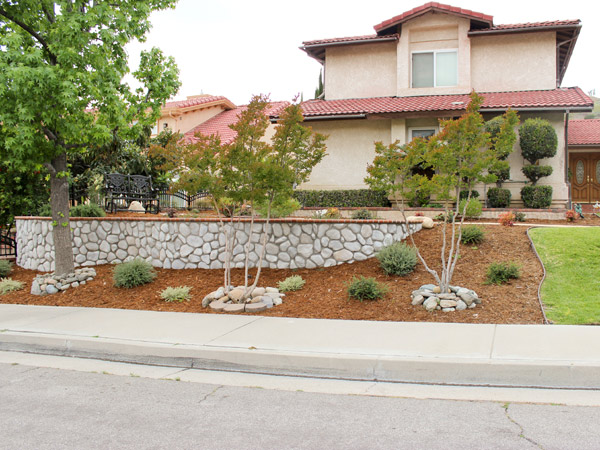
324 295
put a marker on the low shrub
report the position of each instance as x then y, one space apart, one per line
363 288
473 209
397 259
362 214
9 285
280 209
498 197
45 210
355 198
499 273
176 294
133 273
5 268
536 196
519 216
89 210
293 283
570 215
506 219
464 194
472 234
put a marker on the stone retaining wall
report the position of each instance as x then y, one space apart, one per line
198 243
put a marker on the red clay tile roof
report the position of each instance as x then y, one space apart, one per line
194 101
433 6
343 40
527 26
556 98
584 132
220 125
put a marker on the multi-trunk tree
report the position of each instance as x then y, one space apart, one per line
461 155
62 64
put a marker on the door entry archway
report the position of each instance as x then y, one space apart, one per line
585 177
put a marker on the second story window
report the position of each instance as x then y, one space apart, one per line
435 68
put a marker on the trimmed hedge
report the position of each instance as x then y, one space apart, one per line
537 196
464 194
538 140
534 173
357 198
498 197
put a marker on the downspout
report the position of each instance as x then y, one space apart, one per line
567 182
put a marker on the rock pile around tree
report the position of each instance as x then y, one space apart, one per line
259 300
458 299
52 284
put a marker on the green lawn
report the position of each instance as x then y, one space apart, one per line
571 291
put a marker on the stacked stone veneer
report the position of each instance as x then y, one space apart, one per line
198 243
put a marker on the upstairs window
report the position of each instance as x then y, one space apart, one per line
435 69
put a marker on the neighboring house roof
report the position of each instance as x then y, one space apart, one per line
196 102
584 132
220 125
316 48
480 18
560 99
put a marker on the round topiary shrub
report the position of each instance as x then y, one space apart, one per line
366 289
397 259
538 140
133 273
498 197
5 268
536 196
534 173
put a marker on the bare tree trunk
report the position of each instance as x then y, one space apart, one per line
59 202
264 246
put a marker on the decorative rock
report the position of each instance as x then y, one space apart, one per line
271 290
277 301
255 307
436 290
467 298
430 304
35 288
257 292
448 309
418 300
427 223
136 207
461 306
268 301
217 306
447 303
236 295
446 296
50 289
235 307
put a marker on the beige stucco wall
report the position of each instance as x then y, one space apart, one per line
358 71
434 32
188 120
350 147
524 61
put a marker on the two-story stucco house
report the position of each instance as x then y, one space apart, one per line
421 66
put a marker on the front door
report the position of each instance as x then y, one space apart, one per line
585 177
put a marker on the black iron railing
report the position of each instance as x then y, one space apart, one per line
182 200
8 243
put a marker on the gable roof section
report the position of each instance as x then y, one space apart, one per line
316 48
584 132
556 99
196 102
220 125
390 25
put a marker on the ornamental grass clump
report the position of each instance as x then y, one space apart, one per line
293 283
397 259
9 285
472 234
176 294
366 289
499 273
133 273
362 214
5 268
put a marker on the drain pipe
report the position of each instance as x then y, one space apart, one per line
567 182
539 292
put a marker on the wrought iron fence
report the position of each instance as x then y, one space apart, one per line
8 243
182 200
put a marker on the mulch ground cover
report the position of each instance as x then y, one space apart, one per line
325 297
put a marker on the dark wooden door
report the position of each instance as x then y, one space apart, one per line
580 168
594 180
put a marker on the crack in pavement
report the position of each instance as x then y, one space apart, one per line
203 399
522 432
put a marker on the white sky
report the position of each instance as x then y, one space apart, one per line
238 48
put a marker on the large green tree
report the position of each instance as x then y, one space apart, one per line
62 65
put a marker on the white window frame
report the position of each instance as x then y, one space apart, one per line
411 129
435 52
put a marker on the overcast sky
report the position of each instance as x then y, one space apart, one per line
238 48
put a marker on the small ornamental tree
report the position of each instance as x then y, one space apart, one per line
249 172
62 65
460 155
503 149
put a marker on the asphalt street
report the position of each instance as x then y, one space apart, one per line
46 408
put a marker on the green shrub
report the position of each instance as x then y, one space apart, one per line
472 234
498 273
133 273
366 289
519 216
5 268
464 194
280 209
538 140
45 210
356 198
473 209
494 126
534 173
498 197
536 196
293 283
89 210
397 259
8 285
176 294
362 214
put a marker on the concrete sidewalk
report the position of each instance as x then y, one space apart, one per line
444 353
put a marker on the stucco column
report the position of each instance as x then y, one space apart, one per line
398 131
